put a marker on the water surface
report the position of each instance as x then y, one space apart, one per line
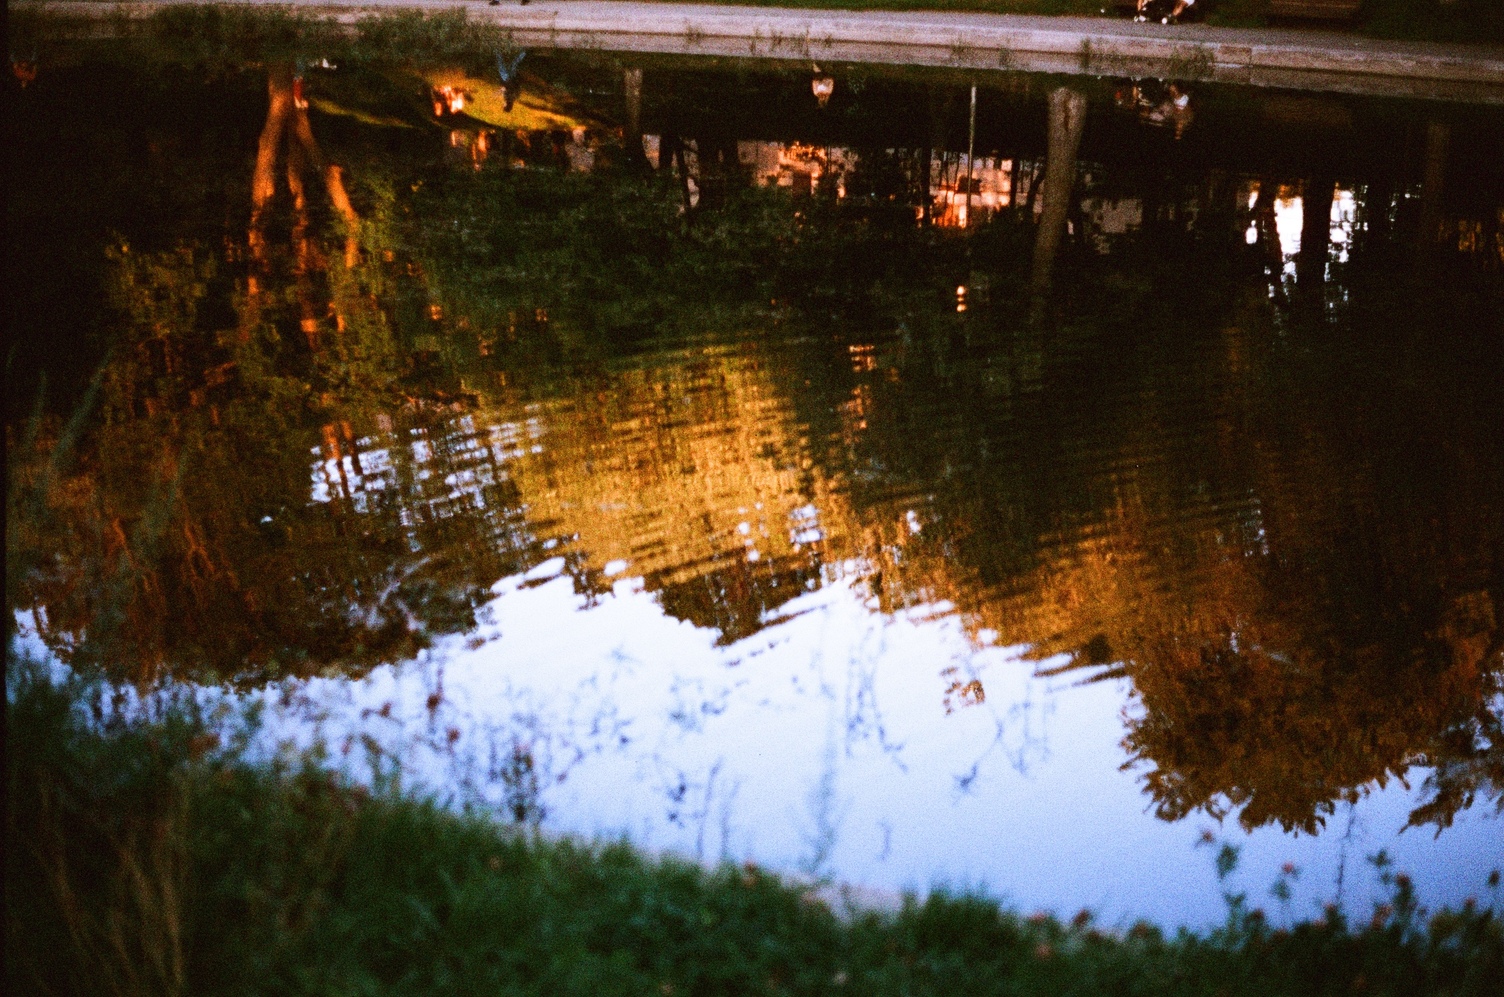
720 455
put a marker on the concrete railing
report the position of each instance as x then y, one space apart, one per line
1068 45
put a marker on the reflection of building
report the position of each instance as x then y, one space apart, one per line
434 468
473 146
988 180
651 145
796 166
448 100
579 150
1104 219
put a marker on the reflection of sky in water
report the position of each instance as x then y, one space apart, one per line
889 749
828 742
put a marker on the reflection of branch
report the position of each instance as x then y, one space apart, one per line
1030 746
334 181
704 814
725 821
863 714
1347 837
826 813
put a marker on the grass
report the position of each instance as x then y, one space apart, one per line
148 857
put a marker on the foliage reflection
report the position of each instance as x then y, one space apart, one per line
320 437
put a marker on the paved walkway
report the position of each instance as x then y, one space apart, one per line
1308 60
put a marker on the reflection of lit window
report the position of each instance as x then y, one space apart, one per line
579 152
1103 219
962 192
448 100
1289 219
1344 222
1469 235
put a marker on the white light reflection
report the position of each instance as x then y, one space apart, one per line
1344 223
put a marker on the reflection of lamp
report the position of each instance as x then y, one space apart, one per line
24 70
823 87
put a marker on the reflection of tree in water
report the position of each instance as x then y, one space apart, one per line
1281 732
182 535
1299 585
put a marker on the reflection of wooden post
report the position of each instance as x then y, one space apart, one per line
1438 134
1375 210
631 85
971 150
671 150
1315 235
926 184
1263 219
939 109
1067 120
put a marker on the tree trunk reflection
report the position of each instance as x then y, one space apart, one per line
1067 121
287 124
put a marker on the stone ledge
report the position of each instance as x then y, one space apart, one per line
1301 60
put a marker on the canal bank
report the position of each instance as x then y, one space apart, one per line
1305 60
